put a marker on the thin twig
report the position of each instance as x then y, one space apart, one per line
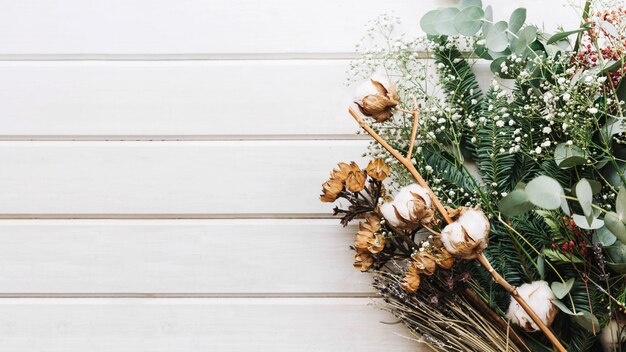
482 259
416 115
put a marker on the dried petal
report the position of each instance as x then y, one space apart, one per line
363 261
377 169
368 238
342 173
425 262
445 260
411 280
410 208
331 190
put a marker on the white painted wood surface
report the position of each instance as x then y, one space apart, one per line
198 325
212 240
200 257
236 27
214 177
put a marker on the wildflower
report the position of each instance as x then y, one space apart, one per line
369 238
539 297
355 181
411 280
331 190
363 261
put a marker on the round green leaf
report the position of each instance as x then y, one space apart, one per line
585 198
603 236
522 43
614 223
585 320
611 128
581 221
497 39
617 253
517 19
467 22
515 203
468 3
560 289
444 21
620 204
488 19
428 22
544 192
567 156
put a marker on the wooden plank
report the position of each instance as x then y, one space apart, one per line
156 27
219 177
159 325
192 100
212 98
212 257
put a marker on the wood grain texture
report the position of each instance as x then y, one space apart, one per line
188 100
229 325
85 28
212 98
226 177
213 257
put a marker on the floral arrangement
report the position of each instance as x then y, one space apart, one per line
493 218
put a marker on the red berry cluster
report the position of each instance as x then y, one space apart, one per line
571 246
610 46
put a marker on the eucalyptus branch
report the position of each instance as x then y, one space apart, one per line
482 259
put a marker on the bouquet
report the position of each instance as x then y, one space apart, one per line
493 218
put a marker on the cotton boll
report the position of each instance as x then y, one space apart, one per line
468 235
476 224
451 235
612 336
414 188
367 88
388 211
539 297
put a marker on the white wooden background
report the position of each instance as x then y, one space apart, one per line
160 163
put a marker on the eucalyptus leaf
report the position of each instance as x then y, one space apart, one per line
585 198
596 187
620 204
560 257
566 155
617 252
487 19
618 268
468 21
614 223
544 192
611 128
561 289
515 203
585 320
470 3
496 39
603 236
613 66
564 308
541 266
517 19
581 221
444 21
428 22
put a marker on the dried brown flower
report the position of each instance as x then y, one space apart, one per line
368 238
331 190
363 261
377 169
444 259
411 280
379 105
342 173
355 181
425 262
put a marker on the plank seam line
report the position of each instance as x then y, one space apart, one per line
120 295
185 138
164 216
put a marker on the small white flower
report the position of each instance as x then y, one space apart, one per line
538 150
592 110
539 297
546 144
428 169
601 79
566 97
546 130
569 142
564 126
500 123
